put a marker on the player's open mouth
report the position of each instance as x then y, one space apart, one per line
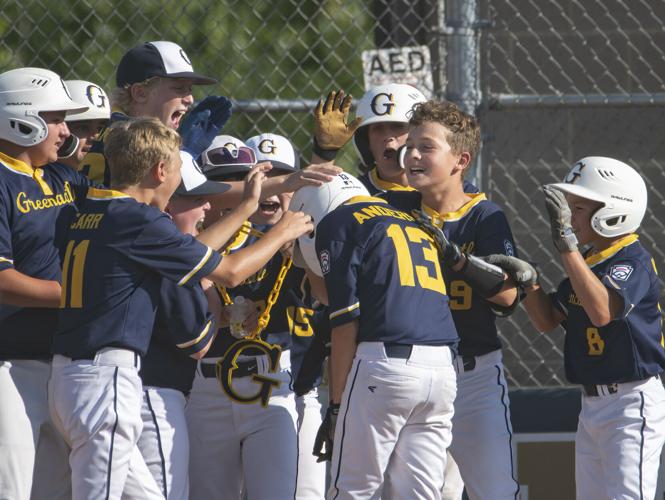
416 170
269 207
175 118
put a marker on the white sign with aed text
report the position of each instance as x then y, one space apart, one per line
411 65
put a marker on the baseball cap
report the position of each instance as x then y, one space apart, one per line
165 59
194 183
227 157
276 149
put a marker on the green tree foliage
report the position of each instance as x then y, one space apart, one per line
267 49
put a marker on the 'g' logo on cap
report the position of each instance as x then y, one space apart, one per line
267 147
184 56
575 173
383 104
96 96
233 149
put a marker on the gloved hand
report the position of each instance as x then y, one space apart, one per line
203 123
559 212
323 443
449 253
520 271
331 130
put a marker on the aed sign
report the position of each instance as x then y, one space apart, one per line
411 65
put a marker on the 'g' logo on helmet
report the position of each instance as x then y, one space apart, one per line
383 104
575 173
267 147
96 96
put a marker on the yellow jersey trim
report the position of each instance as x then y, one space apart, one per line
4 259
198 266
379 183
198 339
105 194
364 199
438 219
597 258
20 167
333 315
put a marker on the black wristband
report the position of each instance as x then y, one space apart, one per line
326 154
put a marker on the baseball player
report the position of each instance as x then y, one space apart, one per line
166 370
119 248
84 127
392 376
608 305
441 144
37 199
227 433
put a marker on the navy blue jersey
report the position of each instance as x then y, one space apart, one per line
307 322
382 269
257 288
94 164
117 252
183 327
631 346
480 228
36 207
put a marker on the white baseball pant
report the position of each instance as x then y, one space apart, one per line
164 440
96 406
230 441
482 432
33 455
394 425
453 486
311 474
619 440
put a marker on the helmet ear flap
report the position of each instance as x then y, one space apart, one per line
28 132
361 142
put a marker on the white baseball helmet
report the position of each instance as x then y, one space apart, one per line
386 103
611 182
24 93
91 95
317 202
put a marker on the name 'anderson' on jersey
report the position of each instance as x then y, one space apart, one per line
381 268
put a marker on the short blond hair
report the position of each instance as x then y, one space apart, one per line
134 146
121 97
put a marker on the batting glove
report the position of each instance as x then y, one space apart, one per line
520 271
203 123
449 253
559 212
323 443
331 128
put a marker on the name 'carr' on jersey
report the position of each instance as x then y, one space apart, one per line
383 270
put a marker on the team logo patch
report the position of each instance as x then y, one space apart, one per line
508 247
621 272
324 260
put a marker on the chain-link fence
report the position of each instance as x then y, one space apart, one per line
553 81
562 80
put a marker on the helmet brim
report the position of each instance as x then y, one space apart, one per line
580 191
70 107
